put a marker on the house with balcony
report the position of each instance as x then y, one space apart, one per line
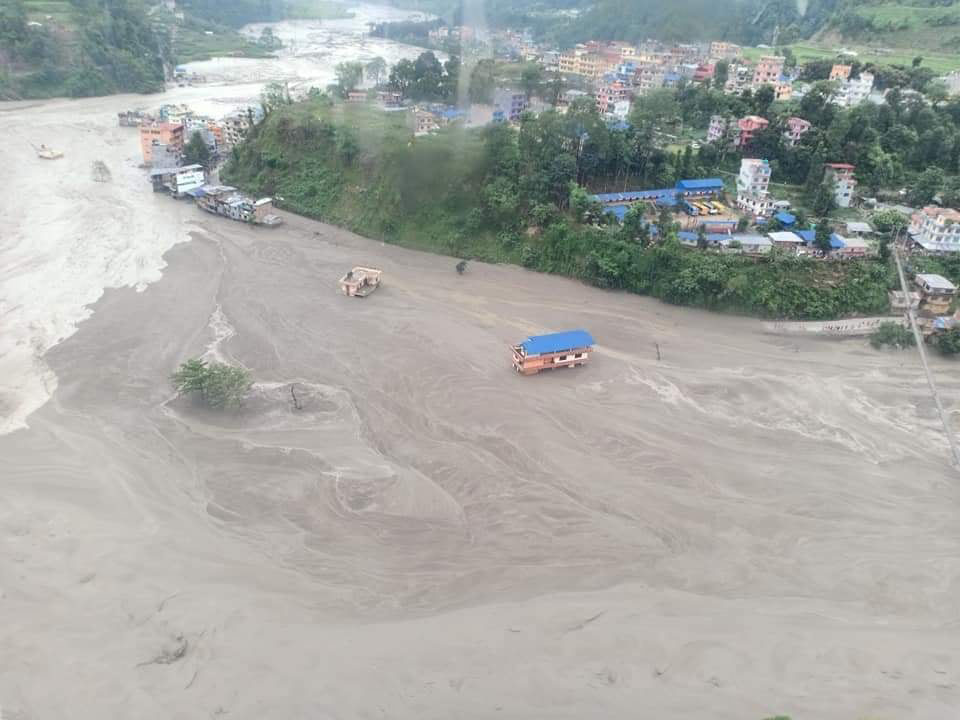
935 231
753 183
767 71
796 128
747 128
844 183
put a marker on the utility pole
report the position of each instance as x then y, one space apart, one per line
918 338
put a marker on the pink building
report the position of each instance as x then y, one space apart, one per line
797 127
768 70
748 127
610 95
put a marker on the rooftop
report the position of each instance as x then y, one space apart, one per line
855 226
786 218
785 237
557 342
934 281
700 184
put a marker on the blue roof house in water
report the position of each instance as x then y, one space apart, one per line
546 352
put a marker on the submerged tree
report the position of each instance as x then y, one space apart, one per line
196 152
217 384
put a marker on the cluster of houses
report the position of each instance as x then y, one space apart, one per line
164 135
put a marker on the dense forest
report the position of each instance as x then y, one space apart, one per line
110 46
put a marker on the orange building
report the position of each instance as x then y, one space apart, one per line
545 352
840 72
160 134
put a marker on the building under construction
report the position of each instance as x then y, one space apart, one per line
545 352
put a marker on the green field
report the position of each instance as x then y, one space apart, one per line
191 44
938 62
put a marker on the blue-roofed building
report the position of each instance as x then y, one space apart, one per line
545 352
836 242
786 219
702 186
808 236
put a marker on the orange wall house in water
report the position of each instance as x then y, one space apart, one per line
160 134
545 352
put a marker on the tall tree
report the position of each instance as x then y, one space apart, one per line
196 152
376 69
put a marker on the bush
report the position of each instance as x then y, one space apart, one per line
892 334
218 385
949 342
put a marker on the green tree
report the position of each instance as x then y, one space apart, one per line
376 69
349 76
701 237
721 72
821 237
274 95
218 385
190 377
531 78
825 199
196 152
889 221
927 184
892 334
948 342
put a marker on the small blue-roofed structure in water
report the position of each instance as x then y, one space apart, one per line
545 352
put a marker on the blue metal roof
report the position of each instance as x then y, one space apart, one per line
619 211
633 195
836 242
807 236
700 184
557 342
786 218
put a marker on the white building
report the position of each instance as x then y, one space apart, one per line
753 182
844 183
720 128
935 230
853 92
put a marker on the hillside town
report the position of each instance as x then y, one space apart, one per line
740 211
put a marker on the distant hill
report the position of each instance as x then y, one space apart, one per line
932 25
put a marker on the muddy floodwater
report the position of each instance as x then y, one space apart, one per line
750 525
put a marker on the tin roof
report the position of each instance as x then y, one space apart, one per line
557 342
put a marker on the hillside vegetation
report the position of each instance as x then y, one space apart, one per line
80 47
503 196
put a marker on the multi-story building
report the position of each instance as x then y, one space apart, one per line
783 90
162 133
768 70
853 92
747 128
720 128
582 60
704 72
511 103
840 72
739 77
235 128
724 51
753 183
649 76
936 293
609 95
796 128
935 230
844 183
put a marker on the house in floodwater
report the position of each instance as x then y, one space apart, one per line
545 352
